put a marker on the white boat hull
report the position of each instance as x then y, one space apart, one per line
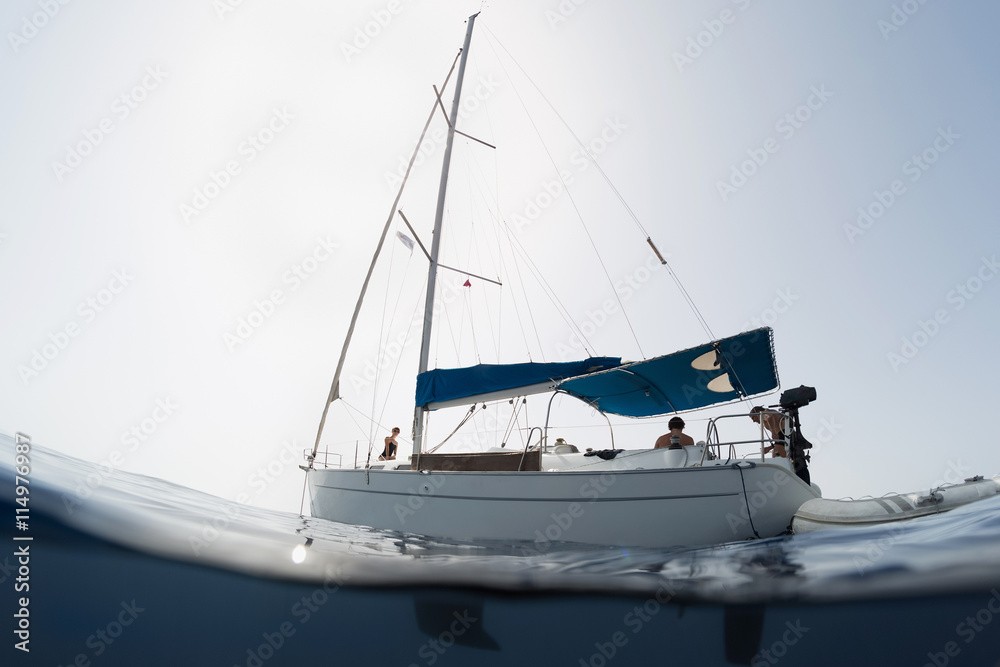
655 508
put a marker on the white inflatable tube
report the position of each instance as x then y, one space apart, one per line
822 513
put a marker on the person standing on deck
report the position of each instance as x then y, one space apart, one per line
774 424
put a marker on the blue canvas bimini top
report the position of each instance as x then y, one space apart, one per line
713 373
450 384
717 372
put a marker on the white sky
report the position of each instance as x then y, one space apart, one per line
335 115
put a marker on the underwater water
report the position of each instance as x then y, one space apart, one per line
145 572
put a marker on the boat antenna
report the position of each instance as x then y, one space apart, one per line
425 341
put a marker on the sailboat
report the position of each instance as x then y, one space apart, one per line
711 492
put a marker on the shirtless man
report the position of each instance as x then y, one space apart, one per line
676 426
389 451
773 422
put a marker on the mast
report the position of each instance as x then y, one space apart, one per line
335 385
425 341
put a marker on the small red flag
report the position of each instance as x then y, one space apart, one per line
467 283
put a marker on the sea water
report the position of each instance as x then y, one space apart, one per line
139 571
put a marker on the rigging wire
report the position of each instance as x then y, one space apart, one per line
549 292
497 221
531 313
496 186
635 218
472 324
526 422
542 282
461 311
502 262
576 208
512 422
369 419
468 415
480 440
467 291
380 353
563 312
451 332
573 134
496 332
361 429
406 337
474 251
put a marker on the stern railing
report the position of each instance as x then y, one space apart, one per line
713 441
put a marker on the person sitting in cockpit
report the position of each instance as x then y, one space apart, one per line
676 426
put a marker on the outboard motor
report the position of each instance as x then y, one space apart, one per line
791 400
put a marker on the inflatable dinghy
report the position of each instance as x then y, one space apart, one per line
821 513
